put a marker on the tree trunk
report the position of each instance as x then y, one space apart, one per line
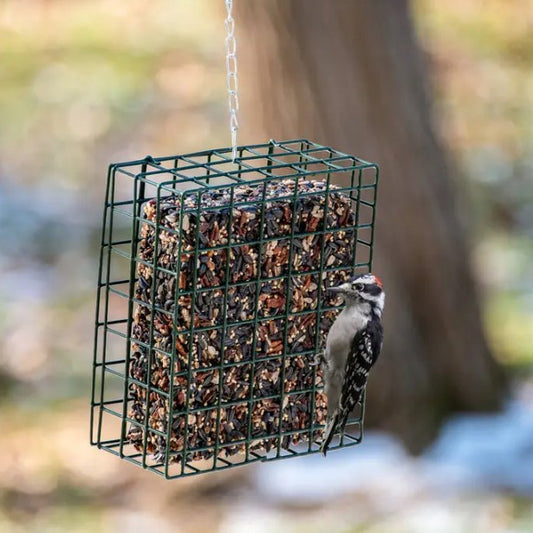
350 75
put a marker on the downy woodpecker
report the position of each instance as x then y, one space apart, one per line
352 347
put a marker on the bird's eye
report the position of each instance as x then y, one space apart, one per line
357 286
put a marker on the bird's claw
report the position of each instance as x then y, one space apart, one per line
317 360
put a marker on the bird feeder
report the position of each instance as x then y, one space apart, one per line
211 302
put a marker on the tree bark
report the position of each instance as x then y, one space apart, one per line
349 74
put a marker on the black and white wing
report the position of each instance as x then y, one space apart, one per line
364 353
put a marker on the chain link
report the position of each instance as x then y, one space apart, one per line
231 77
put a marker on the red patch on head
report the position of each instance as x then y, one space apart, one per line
379 283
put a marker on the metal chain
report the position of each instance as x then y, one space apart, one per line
231 77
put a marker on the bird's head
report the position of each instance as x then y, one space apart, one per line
365 289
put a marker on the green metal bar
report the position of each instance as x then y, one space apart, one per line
191 331
319 311
209 368
114 322
328 162
289 433
150 354
243 148
173 356
242 203
106 312
112 283
356 232
139 189
287 311
255 323
236 284
97 312
309 174
112 363
224 330
372 225
209 168
250 243
108 447
370 259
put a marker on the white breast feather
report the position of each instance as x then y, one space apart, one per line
341 335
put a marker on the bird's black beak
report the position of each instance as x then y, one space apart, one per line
335 290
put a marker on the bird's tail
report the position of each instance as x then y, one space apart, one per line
329 431
336 423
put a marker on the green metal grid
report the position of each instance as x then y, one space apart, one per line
129 186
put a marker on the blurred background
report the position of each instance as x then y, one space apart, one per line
439 93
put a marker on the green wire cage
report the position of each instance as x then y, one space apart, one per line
211 302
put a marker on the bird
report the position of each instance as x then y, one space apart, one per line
353 345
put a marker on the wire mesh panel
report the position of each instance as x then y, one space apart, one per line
211 302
